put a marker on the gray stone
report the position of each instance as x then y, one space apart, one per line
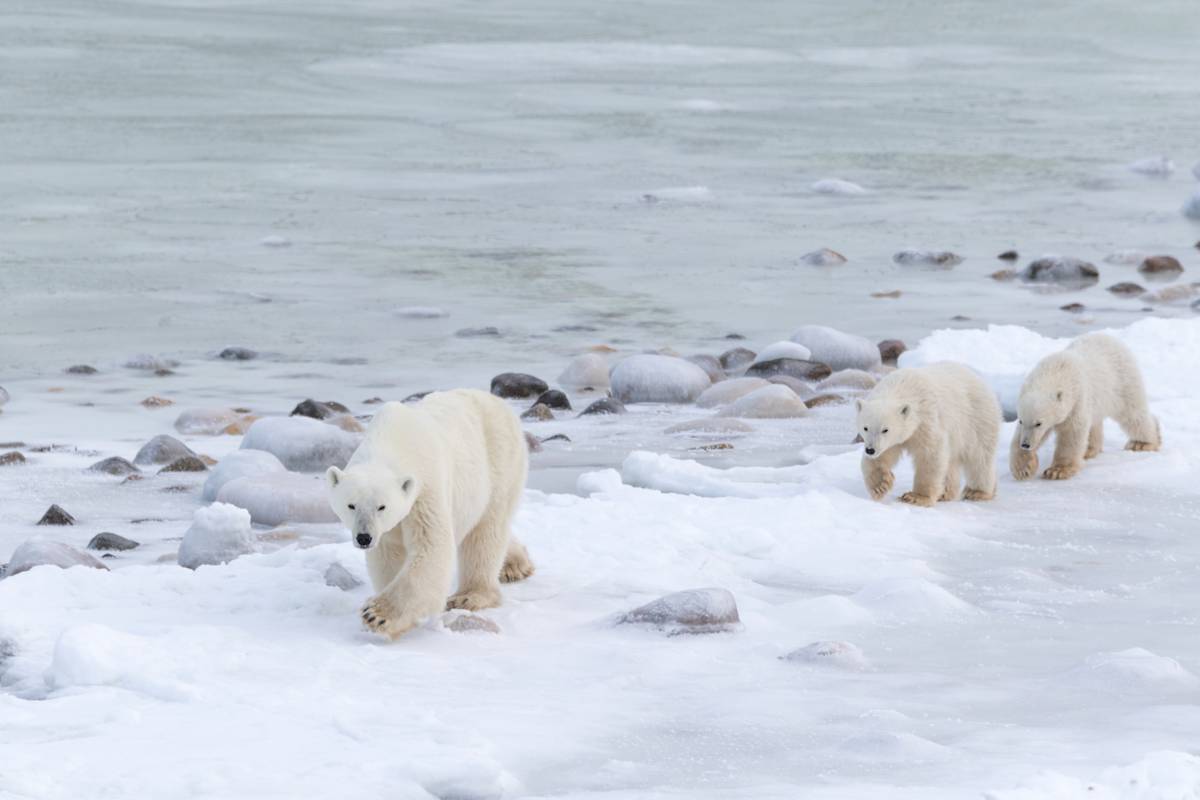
237 354
339 577
692 611
186 464
162 449
56 515
111 541
1057 269
517 385
794 367
36 553
605 405
114 466
1127 289
553 398
81 369
736 358
540 412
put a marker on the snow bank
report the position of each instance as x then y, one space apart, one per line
97 655
219 533
301 443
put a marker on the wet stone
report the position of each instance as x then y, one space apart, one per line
81 369
890 350
1160 266
558 437
517 385
111 541
237 354
477 333
56 515
1127 289
162 449
1073 308
605 405
737 358
185 464
553 398
8 459
793 367
471 623
1009 255
533 443
540 412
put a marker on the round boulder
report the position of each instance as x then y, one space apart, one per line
162 449
688 612
1127 289
273 498
725 392
890 350
1160 267
848 379
553 398
838 349
517 385
1059 269
240 464
783 349
301 443
711 366
649 378
736 358
588 371
37 552
791 367
770 402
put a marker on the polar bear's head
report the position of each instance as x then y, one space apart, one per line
370 501
884 422
1037 414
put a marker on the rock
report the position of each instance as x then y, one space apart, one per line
14 457
783 349
533 443
737 358
314 409
301 443
273 498
219 533
81 369
416 397
839 655
1154 166
1058 269
150 363
1127 289
237 354
838 349
1181 292
770 402
605 405
1191 209
848 379
737 337
111 541
154 401
960 318
648 378
1073 308
38 552
162 449
725 392
346 423
56 515
825 400
837 186
339 577
1161 266
163 372
692 611
711 366
372 401
892 295
469 623
185 464
557 437
212 422
4 396
588 371
1125 257
802 389
1009 255
422 312
553 398
823 258
240 464
940 259
890 350
539 412
114 466
722 425
793 367
517 385
476 333
1003 275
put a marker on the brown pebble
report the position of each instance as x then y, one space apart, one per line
714 446
1156 265
371 401
163 372
54 389
538 413
890 349
1127 289
11 458
208 460
154 401
185 464
893 294
1073 308
825 400
1003 275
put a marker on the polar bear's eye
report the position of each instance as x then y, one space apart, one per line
350 506
864 430
1037 425
885 430
381 508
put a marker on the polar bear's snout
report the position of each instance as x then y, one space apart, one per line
870 451
362 540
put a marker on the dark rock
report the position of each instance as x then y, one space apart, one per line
735 337
81 369
960 318
890 349
416 396
795 367
185 464
154 401
14 457
336 407
942 259
691 611
372 401
736 358
7 445
56 515
558 437
605 405
312 408
533 443
339 577
237 354
554 399
1127 289
1008 255
476 333
1003 275
1160 267
825 400
163 372
162 449
114 466
710 364
540 412
517 385
111 541
575 329
1073 308
1055 269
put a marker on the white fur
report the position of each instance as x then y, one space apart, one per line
946 418
428 478
1071 393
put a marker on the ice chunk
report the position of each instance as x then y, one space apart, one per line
274 498
301 443
219 533
650 378
692 611
39 552
240 464
162 449
783 349
587 370
725 392
837 186
339 577
840 655
838 349
773 401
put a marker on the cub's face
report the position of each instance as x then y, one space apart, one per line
1037 414
883 424
369 502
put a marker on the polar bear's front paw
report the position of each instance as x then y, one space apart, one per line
1060 472
381 615
474 600
880 484
515 569
915 499
1133 444
1024 466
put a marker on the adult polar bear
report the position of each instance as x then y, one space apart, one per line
946 418
1072 392
429 477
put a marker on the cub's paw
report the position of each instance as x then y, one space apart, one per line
516 569
977 494
881 485
474 600
381 615
1060 472
1023 467
912 498
1133 444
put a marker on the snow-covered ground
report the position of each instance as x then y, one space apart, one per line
1041 645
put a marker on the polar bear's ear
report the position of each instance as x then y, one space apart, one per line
333 475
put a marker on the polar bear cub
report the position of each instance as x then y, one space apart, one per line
1071 393
946 418
428 479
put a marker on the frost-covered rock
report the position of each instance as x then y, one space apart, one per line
211 421
711 366
114 466
848 379
837 186
1132 671
237 354
339 577
517 385
274 498
219 533
1127 289
150 363
469 623
1154 166
692 611
1060 269
721 425
823 258
1126 257
589 370
736 358
1179 293
649 378
240 464
839 655
162 449
538 412
1160 266
783 349
838 349
301 443
791 367
422 312
890 350
725 392
772 401
942 259
39 552
186 464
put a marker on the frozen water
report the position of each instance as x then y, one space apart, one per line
301 443
273 498
219 533
838 349
239 464
649 378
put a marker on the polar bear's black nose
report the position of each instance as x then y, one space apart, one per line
1026 446
363 540
870 451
